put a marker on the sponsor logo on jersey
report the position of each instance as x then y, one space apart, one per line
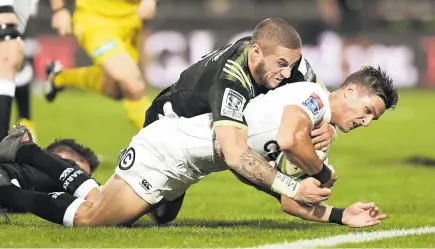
313 103
232 104
71 178
101 50
65 173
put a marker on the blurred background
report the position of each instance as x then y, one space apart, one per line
338 36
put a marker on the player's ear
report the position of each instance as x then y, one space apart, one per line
257 52
350 91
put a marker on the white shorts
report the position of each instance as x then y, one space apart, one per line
155 165
22 9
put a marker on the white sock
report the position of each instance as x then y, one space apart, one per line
68 218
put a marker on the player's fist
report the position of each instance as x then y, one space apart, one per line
311 193
147 9
323 136
61 21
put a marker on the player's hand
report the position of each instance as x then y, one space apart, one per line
362 215
61 21
147 9
311 193
333 179
323 136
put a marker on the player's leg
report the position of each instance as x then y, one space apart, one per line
11 55
113 49
22 95
117 204
18 147
91 78
122 66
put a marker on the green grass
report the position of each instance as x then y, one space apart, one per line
221 212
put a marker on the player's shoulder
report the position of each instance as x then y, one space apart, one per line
228 52
233 66
299 88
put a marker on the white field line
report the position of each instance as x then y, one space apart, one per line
350 238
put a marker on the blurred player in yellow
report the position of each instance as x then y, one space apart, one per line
108 30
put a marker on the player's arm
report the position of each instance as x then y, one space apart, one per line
356 215
227 101
61 19
294 139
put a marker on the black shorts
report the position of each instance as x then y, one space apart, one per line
156 108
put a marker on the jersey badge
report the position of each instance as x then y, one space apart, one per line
313 103
232 105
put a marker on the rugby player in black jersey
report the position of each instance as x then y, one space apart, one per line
27 177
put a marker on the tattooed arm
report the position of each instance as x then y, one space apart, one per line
255 169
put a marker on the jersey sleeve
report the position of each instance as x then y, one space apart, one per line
228 100
310 97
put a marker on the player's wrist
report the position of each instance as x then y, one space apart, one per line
336 216
285 185
324 174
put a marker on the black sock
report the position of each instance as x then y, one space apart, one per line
5 114
22 95
69 176
7 91
51 207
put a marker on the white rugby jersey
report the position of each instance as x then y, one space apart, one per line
263 116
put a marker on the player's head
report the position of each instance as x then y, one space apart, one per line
362 98
69 149
275 49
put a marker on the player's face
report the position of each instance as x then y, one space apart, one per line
277 65
359 109
81 163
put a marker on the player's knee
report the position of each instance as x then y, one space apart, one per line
11 54
84 217
131 83
134 90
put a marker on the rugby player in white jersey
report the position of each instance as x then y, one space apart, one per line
168 156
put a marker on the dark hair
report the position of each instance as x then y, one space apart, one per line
272 32
375 81
71 146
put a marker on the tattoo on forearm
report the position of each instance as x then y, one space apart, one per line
257 170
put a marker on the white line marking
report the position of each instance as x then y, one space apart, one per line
350 238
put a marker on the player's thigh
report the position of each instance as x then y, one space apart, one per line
117 204
107 42
11 57
153 165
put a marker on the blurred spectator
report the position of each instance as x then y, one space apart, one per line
346 17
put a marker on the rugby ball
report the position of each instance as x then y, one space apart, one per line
286 167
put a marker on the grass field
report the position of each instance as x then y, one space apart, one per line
221 212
